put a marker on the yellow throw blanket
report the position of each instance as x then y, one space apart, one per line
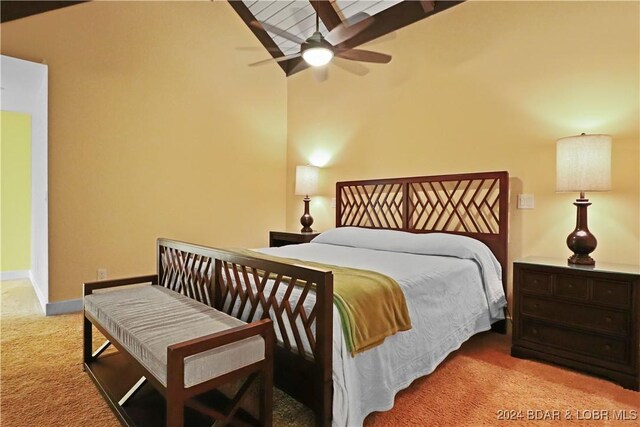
371 305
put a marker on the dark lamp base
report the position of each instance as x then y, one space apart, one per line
579 259
581 241
306 220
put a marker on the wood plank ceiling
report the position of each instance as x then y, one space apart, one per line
298 18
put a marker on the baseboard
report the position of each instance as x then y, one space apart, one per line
63 307
14 275
41 298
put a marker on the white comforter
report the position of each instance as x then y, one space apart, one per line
449 300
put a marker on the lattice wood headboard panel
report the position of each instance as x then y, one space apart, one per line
472 204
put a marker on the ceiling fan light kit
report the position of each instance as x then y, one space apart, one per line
317 56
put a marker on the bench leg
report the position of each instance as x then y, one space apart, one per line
87 337
87 343
175 413
266 397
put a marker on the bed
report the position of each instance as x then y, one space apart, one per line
458 300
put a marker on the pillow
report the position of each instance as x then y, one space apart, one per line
439 244
368 238
402 241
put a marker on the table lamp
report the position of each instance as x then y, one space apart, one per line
306 185
583 163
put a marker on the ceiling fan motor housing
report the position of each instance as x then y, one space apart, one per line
315 40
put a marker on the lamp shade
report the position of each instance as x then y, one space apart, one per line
583 163
306 180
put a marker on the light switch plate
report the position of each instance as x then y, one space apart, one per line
526 201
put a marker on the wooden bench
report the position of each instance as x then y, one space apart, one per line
235 285
185 349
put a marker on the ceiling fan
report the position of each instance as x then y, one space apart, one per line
319 50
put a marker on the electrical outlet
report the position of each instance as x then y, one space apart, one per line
525 201
333 202
101 274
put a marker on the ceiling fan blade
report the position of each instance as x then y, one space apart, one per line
351 66
321 73
360 16
343 32
363 55
278 59
275 30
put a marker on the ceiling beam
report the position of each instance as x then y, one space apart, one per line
396 17
327 13
11 10
245 14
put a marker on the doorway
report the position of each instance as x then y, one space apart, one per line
25 91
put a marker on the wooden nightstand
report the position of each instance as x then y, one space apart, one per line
284 238
581 317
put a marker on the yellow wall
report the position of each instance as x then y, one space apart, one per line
481 87
15 200
157 127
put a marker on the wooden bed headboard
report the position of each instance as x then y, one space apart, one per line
470 204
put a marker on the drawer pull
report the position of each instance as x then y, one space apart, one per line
608 319
534 331
535 281
570 286
536 305
607 347
608 291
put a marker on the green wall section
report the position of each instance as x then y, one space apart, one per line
15 191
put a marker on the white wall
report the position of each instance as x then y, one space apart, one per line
24 90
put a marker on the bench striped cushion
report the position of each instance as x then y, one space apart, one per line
146 320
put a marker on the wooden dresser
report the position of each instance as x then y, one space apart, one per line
584 318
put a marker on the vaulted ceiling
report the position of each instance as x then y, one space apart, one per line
296 17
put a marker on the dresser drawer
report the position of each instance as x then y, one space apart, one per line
572 287
536 282
604 348
595 318
612 292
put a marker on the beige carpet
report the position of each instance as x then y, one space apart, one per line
42 382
